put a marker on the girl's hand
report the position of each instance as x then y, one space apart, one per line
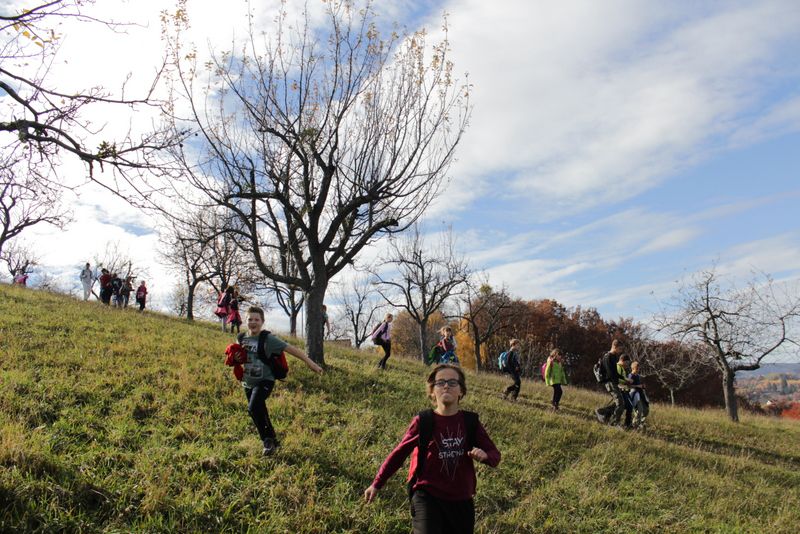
478 454
314 367
370 493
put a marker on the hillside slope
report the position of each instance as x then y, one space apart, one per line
115 421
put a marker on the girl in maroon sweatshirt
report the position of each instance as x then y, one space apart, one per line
442 490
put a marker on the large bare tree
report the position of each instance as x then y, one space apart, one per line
739 326
420 277
319 139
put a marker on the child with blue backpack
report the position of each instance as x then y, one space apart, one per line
443 443
509 363
447 344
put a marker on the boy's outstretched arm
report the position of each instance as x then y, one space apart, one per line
300 355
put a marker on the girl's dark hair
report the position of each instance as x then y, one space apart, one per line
462 379
256 310
229 289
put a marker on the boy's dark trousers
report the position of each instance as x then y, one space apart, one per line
257 407
430 515
514 388
613 411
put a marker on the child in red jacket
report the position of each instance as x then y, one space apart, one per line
442 478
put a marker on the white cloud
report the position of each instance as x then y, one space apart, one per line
571 113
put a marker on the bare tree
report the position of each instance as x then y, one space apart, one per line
116 259
485 311
47 121
419 278
361 307
19 258
186 246
321 140
289 297
740 327
178 300
673 364
25 199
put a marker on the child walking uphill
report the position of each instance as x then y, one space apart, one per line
258 380
555 376
382 337
443 444
514 368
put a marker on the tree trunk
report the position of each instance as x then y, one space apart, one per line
315 324
190 301
294 311
423 337
477 340
672 396
730 395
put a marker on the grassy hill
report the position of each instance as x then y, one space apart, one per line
115 421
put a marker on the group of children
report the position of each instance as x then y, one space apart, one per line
553 372
627 391
443 443
114 290
228 309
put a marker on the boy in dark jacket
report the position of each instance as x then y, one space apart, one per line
612 412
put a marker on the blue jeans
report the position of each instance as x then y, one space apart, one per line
257 407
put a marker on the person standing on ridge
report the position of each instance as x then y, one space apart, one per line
87 280
141 296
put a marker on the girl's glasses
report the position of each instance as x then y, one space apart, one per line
449 383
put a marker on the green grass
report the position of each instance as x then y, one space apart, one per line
112 421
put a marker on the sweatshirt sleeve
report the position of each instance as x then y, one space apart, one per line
485 443
395 460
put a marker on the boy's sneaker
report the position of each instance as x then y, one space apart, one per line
270 445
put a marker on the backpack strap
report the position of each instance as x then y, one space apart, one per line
261 350
471 424
425 428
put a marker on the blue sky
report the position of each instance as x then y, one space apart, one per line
613 147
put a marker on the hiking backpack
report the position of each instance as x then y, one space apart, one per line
600 370
502 362
376 334
276 362
426 433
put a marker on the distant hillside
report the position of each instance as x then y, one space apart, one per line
773 368
112 421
